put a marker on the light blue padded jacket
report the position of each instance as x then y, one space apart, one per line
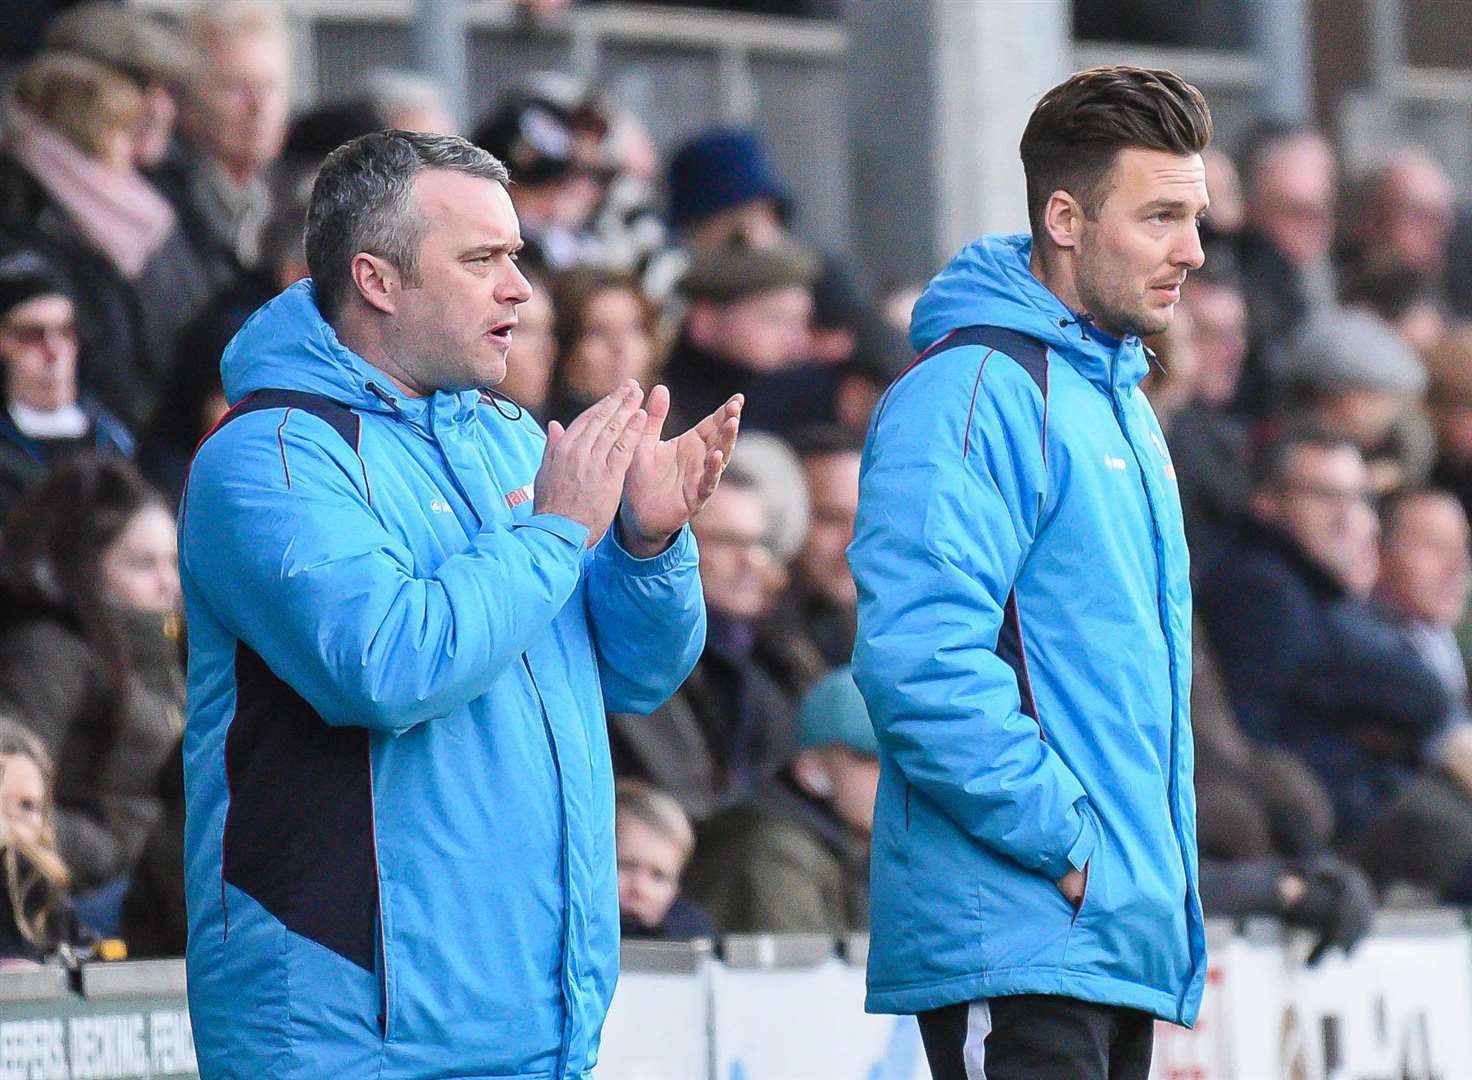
1024 649
399 845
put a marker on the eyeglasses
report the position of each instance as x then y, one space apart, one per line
1326 493
33 335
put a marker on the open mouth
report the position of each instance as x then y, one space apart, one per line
501 332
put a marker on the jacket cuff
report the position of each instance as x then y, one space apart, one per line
559 526
681 550
1079 851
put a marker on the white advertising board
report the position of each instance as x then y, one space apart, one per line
658 1027
808 1024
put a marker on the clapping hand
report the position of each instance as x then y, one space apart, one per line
669 480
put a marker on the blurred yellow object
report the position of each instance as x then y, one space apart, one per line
112 949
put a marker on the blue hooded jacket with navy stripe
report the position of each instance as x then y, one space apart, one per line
399 847
1024 650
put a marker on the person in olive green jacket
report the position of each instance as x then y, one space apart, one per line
796 859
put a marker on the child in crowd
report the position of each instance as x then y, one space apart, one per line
655 841
35 917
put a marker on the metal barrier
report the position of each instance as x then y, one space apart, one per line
791 1008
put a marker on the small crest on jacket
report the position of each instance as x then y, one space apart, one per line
519 496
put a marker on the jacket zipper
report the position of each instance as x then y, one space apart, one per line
566 875
1161 603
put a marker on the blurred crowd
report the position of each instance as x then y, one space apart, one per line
1315 387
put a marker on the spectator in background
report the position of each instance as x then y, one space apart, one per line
1314 668
630 228
845 338
796 860
729 727
408 101
192 398
35 915
881 355
841 310
141 47
1253 799
233 123
1347 371
550 134
1449 404
748 320
814 621
89 654
154 920
654 841
313 134
1207 441
45 418
533 348
724 192
1425 576
1402 220
1289 177
68 182
1409 302
605 334
776 472
1227 213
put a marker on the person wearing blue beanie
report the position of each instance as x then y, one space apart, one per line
724 177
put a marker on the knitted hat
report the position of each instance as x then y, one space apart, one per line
24 275
1352 349
719 169
734 273
834 714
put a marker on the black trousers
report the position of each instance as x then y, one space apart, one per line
1037 1037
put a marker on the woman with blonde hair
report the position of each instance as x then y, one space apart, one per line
35 918
68 183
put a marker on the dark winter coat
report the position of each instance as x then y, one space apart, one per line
108 746
1320 671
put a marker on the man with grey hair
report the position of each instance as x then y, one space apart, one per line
233 123
409 610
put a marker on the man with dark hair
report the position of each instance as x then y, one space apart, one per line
1024 617
1313 667
408 612
43 415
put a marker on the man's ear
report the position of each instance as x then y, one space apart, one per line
1063 219
377 281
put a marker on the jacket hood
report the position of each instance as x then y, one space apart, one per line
288 345
990 284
